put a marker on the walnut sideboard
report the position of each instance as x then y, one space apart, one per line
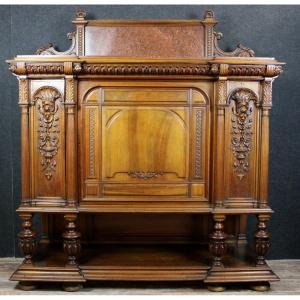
145 149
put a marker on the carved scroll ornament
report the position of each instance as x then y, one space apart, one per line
50 50
144 175
47 103
242 129
240 51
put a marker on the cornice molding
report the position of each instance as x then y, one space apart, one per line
145 69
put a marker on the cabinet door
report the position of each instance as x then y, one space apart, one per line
141 141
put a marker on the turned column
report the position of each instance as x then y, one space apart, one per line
71 135
27 242
217 244
220 110
266 105
25 141
71 236
261 239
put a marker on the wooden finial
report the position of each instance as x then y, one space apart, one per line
80 14
209 14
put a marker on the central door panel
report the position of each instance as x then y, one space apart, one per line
147 143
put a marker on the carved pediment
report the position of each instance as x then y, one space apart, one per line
146 38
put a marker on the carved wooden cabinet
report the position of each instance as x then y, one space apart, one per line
144 152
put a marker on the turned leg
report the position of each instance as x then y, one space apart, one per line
71 238
261 239
27 242
217 245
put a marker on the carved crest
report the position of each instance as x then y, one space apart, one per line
47 103
242 129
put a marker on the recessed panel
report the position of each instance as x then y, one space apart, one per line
147 144
157 41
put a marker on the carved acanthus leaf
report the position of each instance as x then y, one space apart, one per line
53 68
50 50
267 93
221 92
47 102
245 70
242 129
23 91
241 50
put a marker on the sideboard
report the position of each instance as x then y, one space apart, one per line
145 150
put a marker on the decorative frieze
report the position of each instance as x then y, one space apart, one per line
146 69
45 68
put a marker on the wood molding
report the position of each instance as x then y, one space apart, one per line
146 69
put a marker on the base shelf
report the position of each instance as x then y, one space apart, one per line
144 263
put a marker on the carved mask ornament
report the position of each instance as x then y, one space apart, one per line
242 129
47 105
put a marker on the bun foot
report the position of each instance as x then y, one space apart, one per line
26 285
260 287
216 288
71 287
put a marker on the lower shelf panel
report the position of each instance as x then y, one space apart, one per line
144 263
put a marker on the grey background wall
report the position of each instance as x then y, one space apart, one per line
269 30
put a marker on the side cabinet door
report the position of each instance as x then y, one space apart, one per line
47 136
242 149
